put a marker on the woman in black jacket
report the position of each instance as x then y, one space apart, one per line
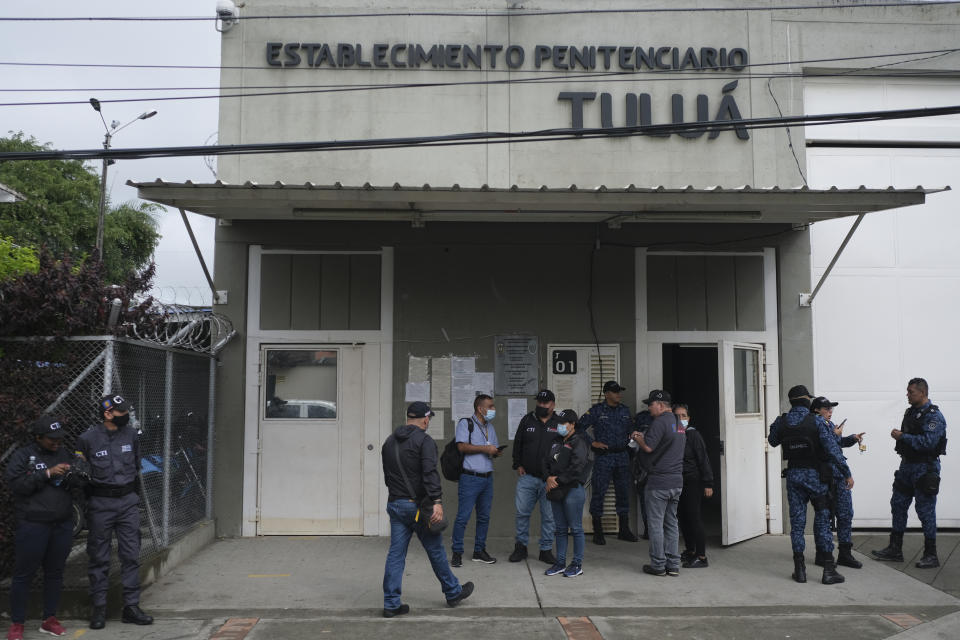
697 484
568 466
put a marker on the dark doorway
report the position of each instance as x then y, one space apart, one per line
690 374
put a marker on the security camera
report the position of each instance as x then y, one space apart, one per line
227 15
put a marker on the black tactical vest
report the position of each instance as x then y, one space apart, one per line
801 444
913 421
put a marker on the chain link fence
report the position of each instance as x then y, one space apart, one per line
172 393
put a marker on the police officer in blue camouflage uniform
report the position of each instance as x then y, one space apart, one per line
112 450
612 425
809 447
842 496
921 440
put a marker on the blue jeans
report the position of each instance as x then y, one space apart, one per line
402 528
664 532
35 544
473 492
530 491
568 514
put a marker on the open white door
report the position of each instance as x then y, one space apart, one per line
742 460
311 412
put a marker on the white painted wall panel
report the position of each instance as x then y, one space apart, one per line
891 308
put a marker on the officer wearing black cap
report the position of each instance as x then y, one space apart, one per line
40 476
112 450
535 434
612 425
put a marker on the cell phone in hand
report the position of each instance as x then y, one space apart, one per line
502 447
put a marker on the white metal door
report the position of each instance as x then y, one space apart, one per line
742 429
311 424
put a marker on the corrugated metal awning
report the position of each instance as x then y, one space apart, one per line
279 201
9 195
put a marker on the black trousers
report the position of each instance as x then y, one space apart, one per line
688 513
37 544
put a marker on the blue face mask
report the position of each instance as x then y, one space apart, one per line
490 414
562 430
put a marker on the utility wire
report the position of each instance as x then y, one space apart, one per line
478 137
557 79
512 13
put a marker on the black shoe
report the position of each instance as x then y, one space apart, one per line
624 533
456 559
845 557
546 555
687 555
893 552
929 559
799 568
519 553
483 556
465 592
830 575
654 572
696 563
673 571
598 532
98 617
399 611
822 557
132 614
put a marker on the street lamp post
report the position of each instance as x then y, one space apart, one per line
111 131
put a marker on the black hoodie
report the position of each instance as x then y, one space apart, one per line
418 455
37 497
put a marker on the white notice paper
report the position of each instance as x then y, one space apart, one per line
440 385
463 366
483 383
516 409
418 392
563 388
437 428
417 370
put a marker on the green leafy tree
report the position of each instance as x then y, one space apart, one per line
61 209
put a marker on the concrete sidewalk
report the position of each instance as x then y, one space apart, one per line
305 587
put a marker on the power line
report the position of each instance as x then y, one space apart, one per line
479 137
512 13
555 79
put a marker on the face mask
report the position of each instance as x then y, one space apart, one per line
541 412
562 430
685 422
490 414
121 421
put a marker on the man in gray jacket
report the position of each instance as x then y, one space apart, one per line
662 455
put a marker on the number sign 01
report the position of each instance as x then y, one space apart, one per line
565 362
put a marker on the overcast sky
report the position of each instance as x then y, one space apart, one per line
184 122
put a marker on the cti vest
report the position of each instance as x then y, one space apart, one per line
913 422
801 444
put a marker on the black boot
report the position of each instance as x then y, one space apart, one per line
598 532
132 614
822 557
845 557
893 551
625 533
929 559
98 617
519 552
799 568
830 575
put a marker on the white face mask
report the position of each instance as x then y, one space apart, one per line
685 423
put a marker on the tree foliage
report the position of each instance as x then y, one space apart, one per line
61 210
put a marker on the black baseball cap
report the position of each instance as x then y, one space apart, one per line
567 416
113 403
613 385
47 426
820 402
798 392
419 410
545 395
657 395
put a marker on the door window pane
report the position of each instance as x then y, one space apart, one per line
300 384
746 380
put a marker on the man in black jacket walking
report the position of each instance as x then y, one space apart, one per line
536 432
415 500
40 476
